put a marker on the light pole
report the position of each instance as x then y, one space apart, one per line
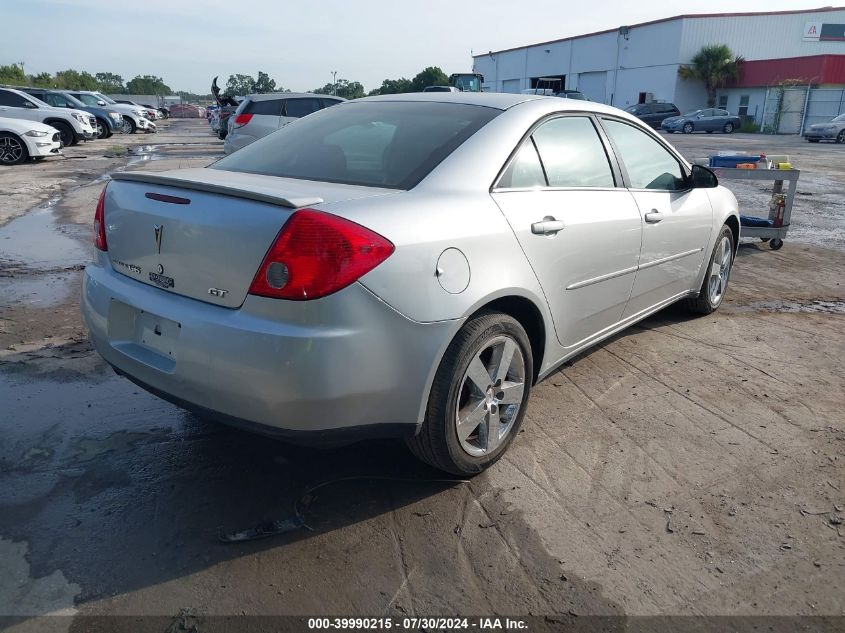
334 82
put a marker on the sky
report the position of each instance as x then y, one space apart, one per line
188 42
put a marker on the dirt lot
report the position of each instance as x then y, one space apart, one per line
684 467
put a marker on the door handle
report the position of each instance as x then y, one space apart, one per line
548 226
653 217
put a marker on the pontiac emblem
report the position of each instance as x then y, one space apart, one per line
158 229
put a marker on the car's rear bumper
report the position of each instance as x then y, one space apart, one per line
346 364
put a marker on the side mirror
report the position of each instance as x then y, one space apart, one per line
703 178
101 103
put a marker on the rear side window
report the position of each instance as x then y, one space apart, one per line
272 107
301 107
649 164
330 102
572 153
12 100
382 144
525 170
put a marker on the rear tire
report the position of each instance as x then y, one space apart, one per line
715 284
456 434
729 128
840 138
12 149
688 128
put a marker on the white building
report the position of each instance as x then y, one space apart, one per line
639 63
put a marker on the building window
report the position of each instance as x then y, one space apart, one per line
743 105
723 102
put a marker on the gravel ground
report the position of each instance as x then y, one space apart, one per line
684 467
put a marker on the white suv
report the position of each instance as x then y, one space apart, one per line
73 125
258 115
134 117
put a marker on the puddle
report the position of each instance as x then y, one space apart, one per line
817 306
36 242
39 292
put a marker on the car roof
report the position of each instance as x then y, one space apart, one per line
265 96
498 100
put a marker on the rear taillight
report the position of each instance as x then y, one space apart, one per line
100 223
316 254
242 119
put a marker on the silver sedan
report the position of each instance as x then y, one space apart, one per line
406 265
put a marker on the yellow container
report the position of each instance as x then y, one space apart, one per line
784 165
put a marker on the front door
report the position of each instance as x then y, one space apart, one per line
580 232
677 220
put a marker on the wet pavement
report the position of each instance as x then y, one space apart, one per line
686 466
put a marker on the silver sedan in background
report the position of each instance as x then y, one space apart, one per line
405 265
833 130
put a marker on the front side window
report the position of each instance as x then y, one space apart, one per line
525 170
572 153
649 164
87 99
299 108
380 144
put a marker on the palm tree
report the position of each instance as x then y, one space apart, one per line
714 65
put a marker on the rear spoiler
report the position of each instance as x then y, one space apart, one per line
170 181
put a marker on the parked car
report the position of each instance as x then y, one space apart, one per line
73 125
708 120
134 117
258 115
653 113
833 130
108 121
404 265
150 112
21 140
571 94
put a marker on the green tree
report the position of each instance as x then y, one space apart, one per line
431 76
110 82
343 88
75 80
12 74
394 86
715 66
239 85
41 80
264 84
147 85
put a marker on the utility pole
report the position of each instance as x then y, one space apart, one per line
21 65
334 82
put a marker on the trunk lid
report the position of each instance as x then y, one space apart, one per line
203 233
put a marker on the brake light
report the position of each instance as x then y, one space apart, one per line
242 119
100 223
316 254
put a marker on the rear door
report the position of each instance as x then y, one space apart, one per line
677 220
580 231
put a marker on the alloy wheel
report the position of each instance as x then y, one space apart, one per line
490 396
11 150
720 270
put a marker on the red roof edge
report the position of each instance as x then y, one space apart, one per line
812 69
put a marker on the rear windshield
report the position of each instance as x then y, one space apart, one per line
381 144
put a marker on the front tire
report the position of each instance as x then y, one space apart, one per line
715 283
129 126
688 128
729 128
103 130
66 133
479 396
840 138
12 149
